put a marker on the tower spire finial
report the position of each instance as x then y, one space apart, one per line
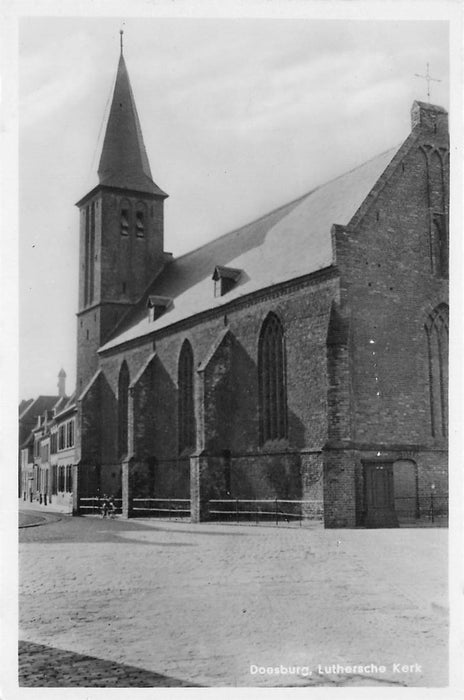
428 78
121 32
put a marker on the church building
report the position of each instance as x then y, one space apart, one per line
302 357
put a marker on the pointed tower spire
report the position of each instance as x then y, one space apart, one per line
121 230
124 161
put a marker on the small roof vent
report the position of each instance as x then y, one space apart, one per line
157 306
225 278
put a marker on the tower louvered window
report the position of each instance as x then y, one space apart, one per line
123 409
272 381
437 334
186 413
140 223
124 222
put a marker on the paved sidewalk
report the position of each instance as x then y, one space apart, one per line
207 604
49 508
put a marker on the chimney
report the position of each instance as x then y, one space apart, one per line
430 117
61 383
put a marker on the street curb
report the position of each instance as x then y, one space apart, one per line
46 522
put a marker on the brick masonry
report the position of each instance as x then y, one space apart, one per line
356 360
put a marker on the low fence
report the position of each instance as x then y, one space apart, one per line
267 510
161 507
430 509
92 505
425 510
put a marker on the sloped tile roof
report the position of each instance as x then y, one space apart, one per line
38 406
124 162
290 242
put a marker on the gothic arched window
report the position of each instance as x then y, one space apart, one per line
440 248
272 381
123 409
186 412
437 334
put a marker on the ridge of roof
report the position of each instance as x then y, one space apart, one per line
289 242
258 220
292 202
69 405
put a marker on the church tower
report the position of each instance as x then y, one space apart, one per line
121 230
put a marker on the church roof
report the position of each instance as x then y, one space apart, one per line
124 161
290 242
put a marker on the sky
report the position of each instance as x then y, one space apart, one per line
239 116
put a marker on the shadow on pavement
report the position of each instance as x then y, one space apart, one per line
94 529
42 666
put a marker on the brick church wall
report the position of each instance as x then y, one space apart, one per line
231 399
388 289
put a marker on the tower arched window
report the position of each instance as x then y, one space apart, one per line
437 334
123 409
124 217
140 219
272 381
186 412
89 254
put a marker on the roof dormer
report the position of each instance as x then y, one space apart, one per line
157 306
225 278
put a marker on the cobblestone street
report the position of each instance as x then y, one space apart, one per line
152 603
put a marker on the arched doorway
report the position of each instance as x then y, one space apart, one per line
405 490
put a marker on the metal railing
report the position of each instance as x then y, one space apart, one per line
265 510
162 507
431 509
93 504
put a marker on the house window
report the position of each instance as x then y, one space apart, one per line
272 381
186 413
61 480
124 222
436 330
70 434
61 438
68 486
140 223
123 410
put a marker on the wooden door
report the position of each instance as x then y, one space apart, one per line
379 494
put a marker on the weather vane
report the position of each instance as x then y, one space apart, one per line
428 78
